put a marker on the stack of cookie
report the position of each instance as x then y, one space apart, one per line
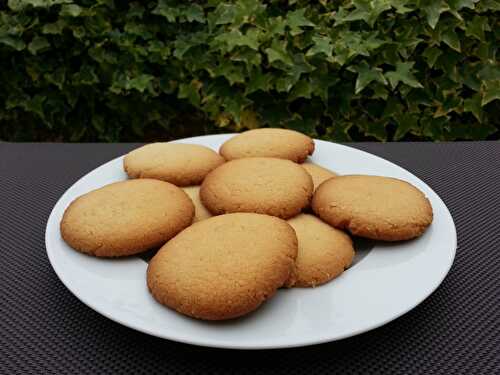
234 227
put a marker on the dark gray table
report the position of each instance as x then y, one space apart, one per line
45 329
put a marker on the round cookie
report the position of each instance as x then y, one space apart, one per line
178 163
200 212
269 186
268 142
126 217
318 173
223 267
380 208
324 252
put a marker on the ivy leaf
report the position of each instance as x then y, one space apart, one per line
235 104
234 73
235 38
86 76
473 104
190 91
490 91
54 28
431 55
163 9
71 10
372 128
321 81
102 55
450 37
249 120
19 5
136 10
459 4
449 62
79 32
286 82
302 123
451 103
139 83
296 19
477 27
12 41
302 89
276 26
469 76
433 10
248 56
407 122
37 44
35 105
367 11
379 92
434 128
223 14
401 6
485 5
156 49
278 52
489 72
366 75
194 13
138 29
258 81
57 77
29 104
322 44
185 43
403 74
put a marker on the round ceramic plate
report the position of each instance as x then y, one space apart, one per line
385 281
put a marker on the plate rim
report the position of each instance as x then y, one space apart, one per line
206 343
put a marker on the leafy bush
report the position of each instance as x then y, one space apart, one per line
355 69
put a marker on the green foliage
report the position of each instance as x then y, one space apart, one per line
113 70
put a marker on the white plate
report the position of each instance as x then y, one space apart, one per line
384 283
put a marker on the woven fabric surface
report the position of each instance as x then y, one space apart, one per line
44 329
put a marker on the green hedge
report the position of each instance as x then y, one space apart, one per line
112 70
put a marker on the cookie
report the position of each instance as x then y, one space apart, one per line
126 218
223 267
178 163
269 186
268 142
380 208
318 173
324 252
200 212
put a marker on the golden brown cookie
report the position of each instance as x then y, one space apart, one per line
126 218
200 211
324 252
178 163
269 186
318 173
268 142
223 267
381 208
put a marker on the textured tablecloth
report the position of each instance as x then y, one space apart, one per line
45 329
